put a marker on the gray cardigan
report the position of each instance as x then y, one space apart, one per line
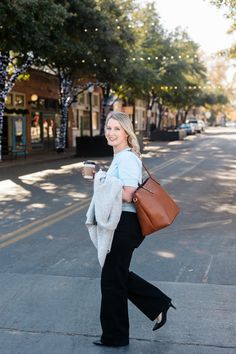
104 213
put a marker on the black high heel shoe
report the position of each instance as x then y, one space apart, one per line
164 317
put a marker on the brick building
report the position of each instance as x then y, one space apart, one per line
32 114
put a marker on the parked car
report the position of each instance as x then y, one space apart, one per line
195 123
202 125
190 129
230 123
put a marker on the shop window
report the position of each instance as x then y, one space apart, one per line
9 100
87 102
81 98
36 128
48 126
95 121
19 100
76 119
85 119
41 103
95 100
51 104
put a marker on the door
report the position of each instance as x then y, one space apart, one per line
18 134
49 131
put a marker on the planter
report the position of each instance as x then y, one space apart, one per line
95 146
168 135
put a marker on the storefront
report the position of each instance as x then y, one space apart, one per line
44 121
86 111
14 140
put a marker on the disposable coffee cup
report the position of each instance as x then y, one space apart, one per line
89 169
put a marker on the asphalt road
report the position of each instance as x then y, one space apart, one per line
49 273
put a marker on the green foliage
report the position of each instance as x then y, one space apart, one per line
29 25
210 99
89 43
111 41
231 4
230 9
166 66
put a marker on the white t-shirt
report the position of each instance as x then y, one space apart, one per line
128 168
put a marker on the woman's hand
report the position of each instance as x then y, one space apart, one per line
127 194
83 173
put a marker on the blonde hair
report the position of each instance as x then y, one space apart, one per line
126 124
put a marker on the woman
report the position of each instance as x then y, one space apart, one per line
118 284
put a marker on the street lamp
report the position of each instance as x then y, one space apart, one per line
90 91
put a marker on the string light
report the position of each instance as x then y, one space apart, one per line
8 64
226 52
170 88
164 58
170 59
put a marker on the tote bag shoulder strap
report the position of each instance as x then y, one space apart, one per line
145 168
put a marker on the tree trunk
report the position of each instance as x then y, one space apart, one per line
133 116
66 98
177 119
105 107
161 108
149 113
185 114
2 108
8 81
62 130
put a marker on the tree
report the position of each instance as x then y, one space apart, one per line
167 69
97 48
145 68
26 33
185 74
230 9
120 17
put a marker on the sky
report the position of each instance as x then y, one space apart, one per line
205 23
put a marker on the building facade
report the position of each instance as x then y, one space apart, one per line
86 113
31 116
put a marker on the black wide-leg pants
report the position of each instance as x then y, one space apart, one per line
118 285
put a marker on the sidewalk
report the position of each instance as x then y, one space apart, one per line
38 156
46 314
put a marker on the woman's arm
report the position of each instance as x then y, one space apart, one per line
127 194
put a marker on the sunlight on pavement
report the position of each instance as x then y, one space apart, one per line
49 187
9 190
226 176
36 206
72 166
229 208
41 175
38 176
175 142
76 195
193 179
50 237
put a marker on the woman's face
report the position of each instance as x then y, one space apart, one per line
116 136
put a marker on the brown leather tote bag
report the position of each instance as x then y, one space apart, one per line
155 208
